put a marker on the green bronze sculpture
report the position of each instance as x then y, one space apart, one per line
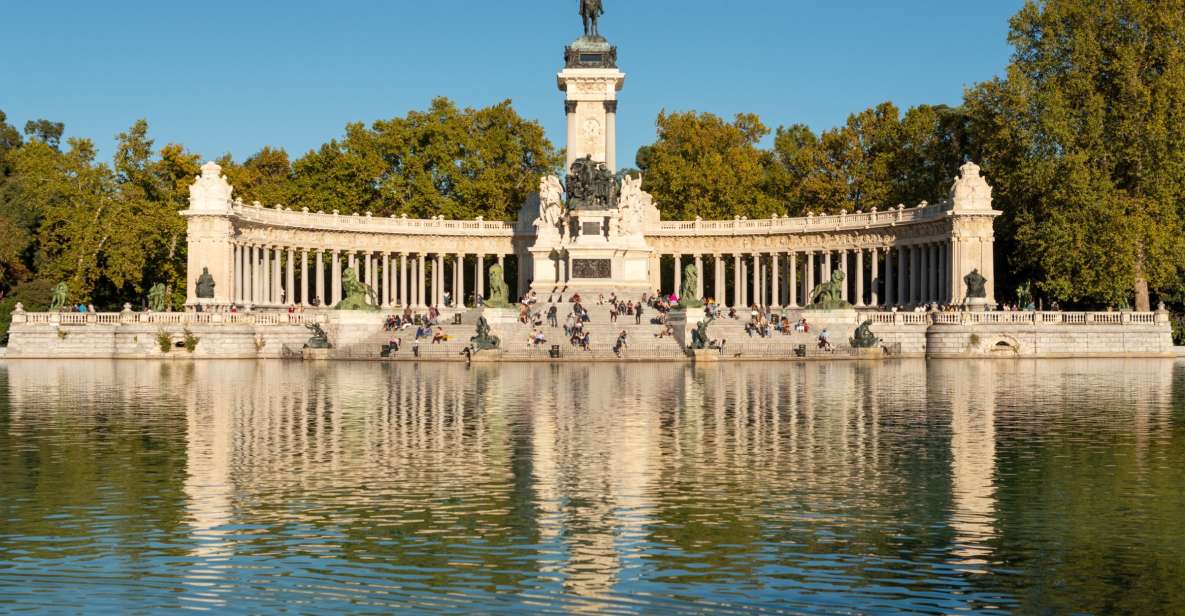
700 339
863 338
205 285
58 300
830 294
590 14
358 295
976 284
158 298
319 339
484 340
690 287
499 292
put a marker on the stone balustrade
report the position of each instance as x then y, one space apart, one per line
127 317
778 225
319 221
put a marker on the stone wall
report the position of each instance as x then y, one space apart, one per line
139 341
908 334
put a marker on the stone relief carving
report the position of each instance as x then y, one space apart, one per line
970 191
210 192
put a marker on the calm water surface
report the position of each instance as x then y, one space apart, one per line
927 487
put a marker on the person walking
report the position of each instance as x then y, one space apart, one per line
638 315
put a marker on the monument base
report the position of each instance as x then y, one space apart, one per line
976 304
317 354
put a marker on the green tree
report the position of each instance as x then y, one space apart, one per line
459 163
265 177
49 133
701 165
1083 141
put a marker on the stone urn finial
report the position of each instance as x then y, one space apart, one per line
127 307
20 308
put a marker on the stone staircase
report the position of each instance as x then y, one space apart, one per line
642 341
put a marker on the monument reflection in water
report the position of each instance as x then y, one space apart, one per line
929 487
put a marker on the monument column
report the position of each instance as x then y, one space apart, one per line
677 286
439 277
386 292
319 268
304 276
810 279
570 113
902 260
792 285
860 277
736 280
699 277
290 277
775 282
265 268
755 298
336 283
403 280
847 277
873 294
611 135
421 283
460 292
480 275
277 276
590 81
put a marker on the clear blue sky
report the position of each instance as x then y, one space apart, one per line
235 76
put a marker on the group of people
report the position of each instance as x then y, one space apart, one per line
398 322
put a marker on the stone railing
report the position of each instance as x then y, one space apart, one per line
1018 318
370 224
802 224
127 317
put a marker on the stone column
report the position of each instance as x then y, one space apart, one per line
304 277
847 277
890 288
421 281
460 288
902 260
335 286
480 275
319 266
775 283
699 277
352 259
264 295
860 277
935 292
570 112
238 266
915 267
386 292
792 285
720 283
873 294
403 280
290 277
755 275
677 283
737 280
611 135
439 277
366 260
810 279
277 282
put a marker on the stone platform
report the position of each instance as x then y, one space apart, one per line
261 335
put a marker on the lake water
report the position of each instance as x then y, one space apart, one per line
913 486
